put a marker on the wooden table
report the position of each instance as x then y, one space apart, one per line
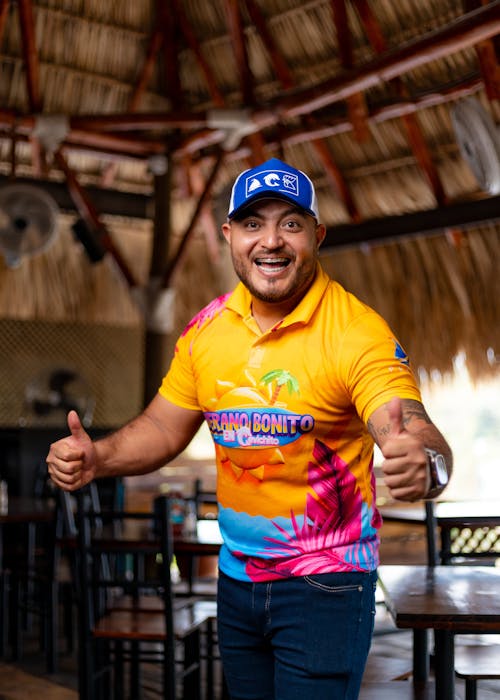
447 599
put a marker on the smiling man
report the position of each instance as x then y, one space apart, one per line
297 379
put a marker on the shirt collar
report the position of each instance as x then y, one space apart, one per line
240 300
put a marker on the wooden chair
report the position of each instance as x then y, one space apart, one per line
205 501
471 544
205 507
35 587
117 630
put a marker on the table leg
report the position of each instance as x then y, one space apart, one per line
444 648
420 656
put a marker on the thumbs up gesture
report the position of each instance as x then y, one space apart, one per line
72 460
405 464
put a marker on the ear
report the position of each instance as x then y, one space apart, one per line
226 231
320 234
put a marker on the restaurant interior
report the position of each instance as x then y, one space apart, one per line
122 126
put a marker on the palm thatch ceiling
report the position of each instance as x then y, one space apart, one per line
136 116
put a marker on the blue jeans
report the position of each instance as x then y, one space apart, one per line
304 638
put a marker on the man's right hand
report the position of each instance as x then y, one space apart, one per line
72 460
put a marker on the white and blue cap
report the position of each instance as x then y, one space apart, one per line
276 180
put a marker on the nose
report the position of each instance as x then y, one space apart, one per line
272 237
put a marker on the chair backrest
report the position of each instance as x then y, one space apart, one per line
457 539
111 569
473 544
114 562
205 501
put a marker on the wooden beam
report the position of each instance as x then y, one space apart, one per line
356 103
238 42
413 131
280 66
88 212
172 266
168 25
154 45
460 215
107 201
488 55
319 145
30 54
4 14
464 32
194 45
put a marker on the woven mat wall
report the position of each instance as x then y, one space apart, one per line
109 360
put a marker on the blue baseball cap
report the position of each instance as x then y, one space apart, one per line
273 179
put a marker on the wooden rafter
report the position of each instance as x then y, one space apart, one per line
280 66
108 145
286 78
30 56
238 41
356 103
138 92
460 215
172 266
168 24
463 33
89 214
488 57
410 121
193 43
4 13
237 37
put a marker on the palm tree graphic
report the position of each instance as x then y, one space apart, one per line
282 377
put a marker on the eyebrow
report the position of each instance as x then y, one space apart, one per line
253 211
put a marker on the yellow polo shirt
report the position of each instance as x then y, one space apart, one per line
287 410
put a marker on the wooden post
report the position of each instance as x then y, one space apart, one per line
157 349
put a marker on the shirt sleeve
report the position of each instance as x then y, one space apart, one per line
178 385
374 366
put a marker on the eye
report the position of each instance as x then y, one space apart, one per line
291 225
251 225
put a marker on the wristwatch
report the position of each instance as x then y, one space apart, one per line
438 472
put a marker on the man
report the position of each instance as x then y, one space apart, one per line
296 379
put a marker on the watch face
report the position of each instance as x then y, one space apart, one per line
441 471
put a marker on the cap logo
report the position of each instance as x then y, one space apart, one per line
284 181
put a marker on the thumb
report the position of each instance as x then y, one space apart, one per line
75 426
395 409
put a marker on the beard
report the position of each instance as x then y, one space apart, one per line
275 291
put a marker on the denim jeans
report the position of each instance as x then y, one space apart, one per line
304 638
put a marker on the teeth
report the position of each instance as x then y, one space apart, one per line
271 261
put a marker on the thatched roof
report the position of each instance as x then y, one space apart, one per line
96 98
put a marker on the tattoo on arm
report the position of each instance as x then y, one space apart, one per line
412 409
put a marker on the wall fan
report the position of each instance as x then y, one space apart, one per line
479 141
52 393
28 221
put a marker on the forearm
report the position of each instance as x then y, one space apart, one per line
155 437
403 431
139 447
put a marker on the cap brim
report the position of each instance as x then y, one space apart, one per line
268 195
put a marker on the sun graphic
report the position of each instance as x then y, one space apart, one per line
231 397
